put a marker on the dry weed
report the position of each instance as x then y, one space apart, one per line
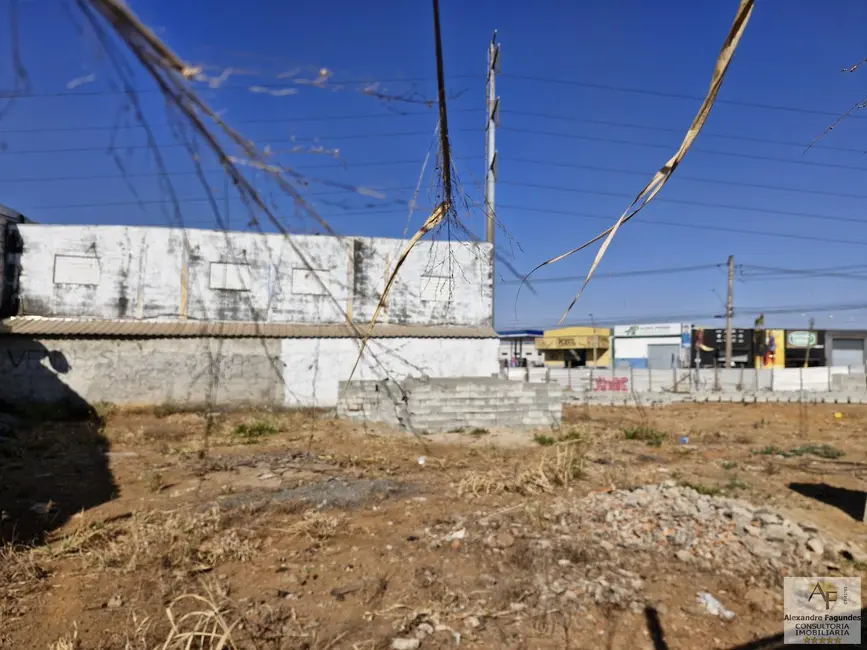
178 539
558 466
205 628
67 642
317 525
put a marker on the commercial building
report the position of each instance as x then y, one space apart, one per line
655 346
518 348
572 347
805 349
708 348
160 314
845 348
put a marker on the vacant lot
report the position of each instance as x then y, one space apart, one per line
295 530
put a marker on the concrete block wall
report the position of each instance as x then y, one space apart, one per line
449 404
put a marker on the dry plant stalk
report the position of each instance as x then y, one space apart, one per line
206 628
647 194
317 525
432 222
556 467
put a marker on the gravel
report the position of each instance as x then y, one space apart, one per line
610 539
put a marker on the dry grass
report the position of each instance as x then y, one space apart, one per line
556 467
317 525
186 540
206 627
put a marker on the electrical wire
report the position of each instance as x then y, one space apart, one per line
332 84
691 226
170 145
703 204
715 152
671 95
280 120
621 274
647 127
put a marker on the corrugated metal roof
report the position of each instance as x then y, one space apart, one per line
35 326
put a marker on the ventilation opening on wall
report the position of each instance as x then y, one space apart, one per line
309 282
76 269
230 277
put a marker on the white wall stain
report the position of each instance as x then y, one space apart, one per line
140 271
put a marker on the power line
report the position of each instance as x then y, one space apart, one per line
290 83
667 147
692 226
703 204
351 136
621 274
281 120
647 127
672 95
684 177
531 161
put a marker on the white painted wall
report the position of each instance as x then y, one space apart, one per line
138 273
636 348
312 368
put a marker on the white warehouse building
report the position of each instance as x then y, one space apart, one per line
151 315
655 346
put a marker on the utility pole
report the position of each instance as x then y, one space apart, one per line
730 311
492 120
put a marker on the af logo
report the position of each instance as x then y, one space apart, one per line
823 596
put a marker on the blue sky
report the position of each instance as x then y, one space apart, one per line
595 96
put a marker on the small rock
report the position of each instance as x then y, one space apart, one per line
569 596
767 517
457 535
504 540
563 562
472 623
809 527
684 556
114 602
405 644
557 587
761 548
517 607
423 631
775 533
815 545
265 476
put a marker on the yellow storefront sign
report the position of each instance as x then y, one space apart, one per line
572 343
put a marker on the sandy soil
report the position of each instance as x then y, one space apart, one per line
297 530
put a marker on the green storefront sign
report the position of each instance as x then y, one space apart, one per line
801 339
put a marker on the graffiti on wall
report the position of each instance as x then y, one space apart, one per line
612 384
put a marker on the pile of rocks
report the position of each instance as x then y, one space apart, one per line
599 547
713 532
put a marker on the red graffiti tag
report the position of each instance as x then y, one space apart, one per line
616 384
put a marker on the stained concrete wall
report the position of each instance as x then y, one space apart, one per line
449 404
314 367
110 272
150 371
290 372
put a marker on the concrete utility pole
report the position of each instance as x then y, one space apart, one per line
492 120
730 311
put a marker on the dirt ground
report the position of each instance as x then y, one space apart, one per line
297 530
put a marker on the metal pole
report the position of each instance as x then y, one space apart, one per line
492 119
730 311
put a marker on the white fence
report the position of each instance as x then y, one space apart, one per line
683 380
